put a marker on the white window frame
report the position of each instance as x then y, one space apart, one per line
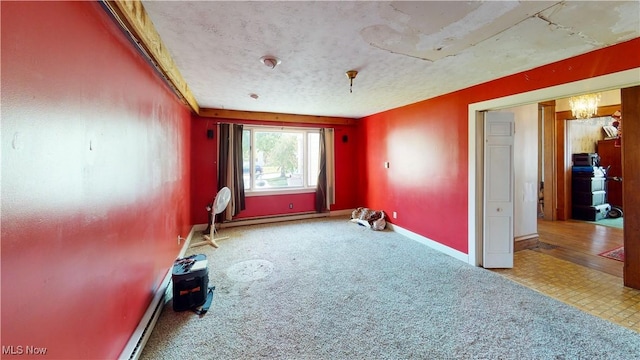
305 188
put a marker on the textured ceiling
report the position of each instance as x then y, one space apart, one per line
404 52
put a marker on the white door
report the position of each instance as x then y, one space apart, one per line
498 190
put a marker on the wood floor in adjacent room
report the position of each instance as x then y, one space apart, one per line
581 243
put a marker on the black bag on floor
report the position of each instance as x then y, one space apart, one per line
190 277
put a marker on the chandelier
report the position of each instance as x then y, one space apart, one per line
584 106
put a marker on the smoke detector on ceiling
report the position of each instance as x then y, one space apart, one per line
270 61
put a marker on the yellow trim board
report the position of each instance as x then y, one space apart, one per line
134 19
275 117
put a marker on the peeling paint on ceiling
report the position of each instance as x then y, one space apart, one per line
404 52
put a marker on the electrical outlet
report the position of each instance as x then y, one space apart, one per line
290 205
386 164
179 239
395 215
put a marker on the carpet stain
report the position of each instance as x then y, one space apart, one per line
249 270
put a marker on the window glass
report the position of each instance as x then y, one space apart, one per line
314 158
275 159
246 158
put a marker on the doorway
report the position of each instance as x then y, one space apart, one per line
569 137
475 240
576 238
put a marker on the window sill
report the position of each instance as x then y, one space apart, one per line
272 192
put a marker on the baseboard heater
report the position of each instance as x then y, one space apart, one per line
147 323
279 218
271 219
141 334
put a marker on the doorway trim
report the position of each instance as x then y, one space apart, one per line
612 81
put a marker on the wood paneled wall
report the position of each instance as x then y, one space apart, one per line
631 183
549 150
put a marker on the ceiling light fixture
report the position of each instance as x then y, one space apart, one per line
584 106
351 74
270 61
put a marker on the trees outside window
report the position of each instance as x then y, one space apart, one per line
280 158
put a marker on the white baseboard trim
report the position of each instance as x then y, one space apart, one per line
430 243
198 228
526 237
141 334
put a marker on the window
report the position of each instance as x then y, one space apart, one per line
276 159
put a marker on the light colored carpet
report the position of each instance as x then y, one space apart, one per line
330 289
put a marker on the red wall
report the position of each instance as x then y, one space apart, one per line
99 161
95 181
426 144
204 174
